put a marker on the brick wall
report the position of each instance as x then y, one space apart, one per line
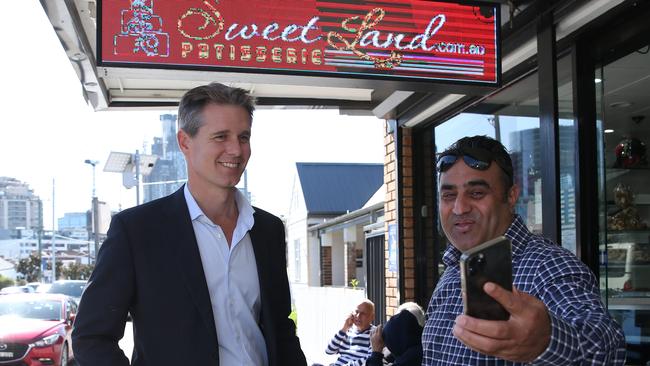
408 228
326 266
407 267
390 217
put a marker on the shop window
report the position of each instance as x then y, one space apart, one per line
567 154
511 116
623 95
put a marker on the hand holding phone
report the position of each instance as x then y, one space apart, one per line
349 321
487 262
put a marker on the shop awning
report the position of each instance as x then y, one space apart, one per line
143 28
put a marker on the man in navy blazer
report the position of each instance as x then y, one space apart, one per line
202 272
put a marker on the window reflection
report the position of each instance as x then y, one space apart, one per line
624 97
567 158
510 116
520 135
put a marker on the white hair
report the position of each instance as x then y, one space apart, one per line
414 309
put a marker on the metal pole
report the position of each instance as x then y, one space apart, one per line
90 231
94 212
93 165
497 128
95 226
40 238
137 177
53 250
95 217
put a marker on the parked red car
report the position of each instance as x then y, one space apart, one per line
35 329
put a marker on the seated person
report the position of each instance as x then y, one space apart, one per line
352 342
402 337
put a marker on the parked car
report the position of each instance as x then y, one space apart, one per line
43 288
34 285
35 329
16 290
72 288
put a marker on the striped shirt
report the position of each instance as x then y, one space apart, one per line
353 347
582 331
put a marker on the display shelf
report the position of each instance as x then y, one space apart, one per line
630 231
624 236
613 173
643 167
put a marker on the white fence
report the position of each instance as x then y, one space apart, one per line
321 313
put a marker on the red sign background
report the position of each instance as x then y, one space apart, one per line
405 39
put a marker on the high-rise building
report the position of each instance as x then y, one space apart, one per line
527 158
169 173
19 206
75 225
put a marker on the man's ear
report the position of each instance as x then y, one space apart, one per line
183 140
513 196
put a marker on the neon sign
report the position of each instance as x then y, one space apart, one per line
398 39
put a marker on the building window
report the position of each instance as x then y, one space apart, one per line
296 261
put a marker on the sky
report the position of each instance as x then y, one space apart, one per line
48 130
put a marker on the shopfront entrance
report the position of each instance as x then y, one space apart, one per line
601 211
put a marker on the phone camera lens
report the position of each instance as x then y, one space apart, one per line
475 264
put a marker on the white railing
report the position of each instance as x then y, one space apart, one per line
321 313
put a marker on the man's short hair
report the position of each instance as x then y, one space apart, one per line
414 309
490 149
192 103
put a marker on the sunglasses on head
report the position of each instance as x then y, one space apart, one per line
475 158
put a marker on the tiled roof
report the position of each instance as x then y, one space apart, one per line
335 188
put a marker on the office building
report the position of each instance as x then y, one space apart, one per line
19 206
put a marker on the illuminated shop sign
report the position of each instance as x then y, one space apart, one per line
396 39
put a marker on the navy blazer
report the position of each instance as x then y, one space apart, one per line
150 266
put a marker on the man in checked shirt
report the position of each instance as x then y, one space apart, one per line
556 315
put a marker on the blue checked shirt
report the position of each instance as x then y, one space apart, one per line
582 332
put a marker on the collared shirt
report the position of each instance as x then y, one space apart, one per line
231 275
353 347
582 332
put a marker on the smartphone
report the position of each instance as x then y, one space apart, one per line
487 262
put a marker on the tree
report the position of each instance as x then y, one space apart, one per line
30 267
77 271
59 266
5 281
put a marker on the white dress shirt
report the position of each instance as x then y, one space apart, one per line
231 275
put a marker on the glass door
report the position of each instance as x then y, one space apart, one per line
623 92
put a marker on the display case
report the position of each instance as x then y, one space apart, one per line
627 265
624 200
